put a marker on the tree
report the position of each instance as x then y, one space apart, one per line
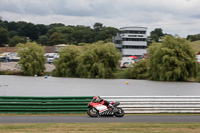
12 33
42 29
29 30
98 60
97 26
172 60
58 33
32 60
156 34
67 63
198 75
17 39
3 36
83 34
106 34
12 26
56 25
138 71
43 40
57 38
193 38
2 24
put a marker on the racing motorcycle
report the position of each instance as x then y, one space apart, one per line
97 109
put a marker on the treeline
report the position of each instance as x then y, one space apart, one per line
173 59
97 60
193 38
157 35
12 33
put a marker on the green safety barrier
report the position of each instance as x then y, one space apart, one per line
20 104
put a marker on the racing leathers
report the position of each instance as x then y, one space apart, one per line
105 102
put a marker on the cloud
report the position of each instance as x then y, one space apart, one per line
116 13
101 8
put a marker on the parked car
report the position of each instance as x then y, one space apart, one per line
4 59
50 60
127 61
13 57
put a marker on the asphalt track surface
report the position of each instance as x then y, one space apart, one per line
87 119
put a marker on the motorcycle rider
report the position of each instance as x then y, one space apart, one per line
99 100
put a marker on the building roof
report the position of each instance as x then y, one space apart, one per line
133 28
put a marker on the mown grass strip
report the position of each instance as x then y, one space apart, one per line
85 114
102 127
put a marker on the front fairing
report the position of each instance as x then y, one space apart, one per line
98 106
91 104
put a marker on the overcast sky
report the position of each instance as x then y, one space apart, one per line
180 17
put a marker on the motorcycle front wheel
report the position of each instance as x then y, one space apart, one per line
119 113
92 112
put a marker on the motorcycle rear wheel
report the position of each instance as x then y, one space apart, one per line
119 113
92 112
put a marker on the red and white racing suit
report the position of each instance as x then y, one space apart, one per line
104 102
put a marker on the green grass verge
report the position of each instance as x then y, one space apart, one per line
85 114
10 73
101 127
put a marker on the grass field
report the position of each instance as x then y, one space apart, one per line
101 128
196 46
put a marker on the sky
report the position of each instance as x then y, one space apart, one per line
181 17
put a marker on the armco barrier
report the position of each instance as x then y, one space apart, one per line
78 104
17 104
157 104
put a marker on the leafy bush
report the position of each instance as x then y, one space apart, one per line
67 64
172 60
98 60
120 74
198 76
32 60
138 70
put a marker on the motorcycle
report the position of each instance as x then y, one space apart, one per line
97 109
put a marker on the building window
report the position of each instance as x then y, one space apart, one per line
132 32
118 42
134 39
133 47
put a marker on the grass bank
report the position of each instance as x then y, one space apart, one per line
6 72
196 46
10 72
102 127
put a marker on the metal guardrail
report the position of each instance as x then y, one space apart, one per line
73 104
157 104
78 104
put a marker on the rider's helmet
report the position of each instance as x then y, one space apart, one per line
96 99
